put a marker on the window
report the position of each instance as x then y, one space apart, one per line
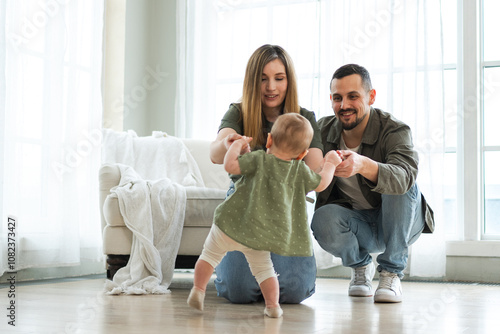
50 137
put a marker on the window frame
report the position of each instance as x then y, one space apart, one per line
484 148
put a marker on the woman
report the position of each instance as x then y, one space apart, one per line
269 90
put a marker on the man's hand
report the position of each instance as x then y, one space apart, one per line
354 163
350 165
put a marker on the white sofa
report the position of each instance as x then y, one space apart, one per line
200 205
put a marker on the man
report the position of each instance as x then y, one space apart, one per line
373 204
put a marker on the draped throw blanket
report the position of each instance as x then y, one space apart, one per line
155 171
154 212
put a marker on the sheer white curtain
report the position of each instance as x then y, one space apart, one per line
399 42
50 106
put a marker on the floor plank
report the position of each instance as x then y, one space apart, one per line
80 306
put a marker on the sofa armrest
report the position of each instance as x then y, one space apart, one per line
109 177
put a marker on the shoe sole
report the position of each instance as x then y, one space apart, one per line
387 299
360 294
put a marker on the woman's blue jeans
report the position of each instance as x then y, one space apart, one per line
390 229
296 276
235 282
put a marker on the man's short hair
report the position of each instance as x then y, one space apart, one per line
350 69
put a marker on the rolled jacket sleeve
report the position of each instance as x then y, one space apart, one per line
398 168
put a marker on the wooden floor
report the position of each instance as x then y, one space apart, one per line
79 306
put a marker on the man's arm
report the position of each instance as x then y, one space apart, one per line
397 170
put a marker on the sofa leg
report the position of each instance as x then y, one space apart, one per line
185 261
115 262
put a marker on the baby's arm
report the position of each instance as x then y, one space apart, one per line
331 161
238 147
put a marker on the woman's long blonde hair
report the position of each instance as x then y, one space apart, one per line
251 101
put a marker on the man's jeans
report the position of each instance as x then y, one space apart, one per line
390 229
235 282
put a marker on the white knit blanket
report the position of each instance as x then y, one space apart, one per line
154 212
151 194
152 157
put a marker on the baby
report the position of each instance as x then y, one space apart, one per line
267 211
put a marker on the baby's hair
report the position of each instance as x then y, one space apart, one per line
292 132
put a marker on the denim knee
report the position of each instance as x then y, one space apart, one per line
238 292
320 223
234 280
325 225
297 277
295 291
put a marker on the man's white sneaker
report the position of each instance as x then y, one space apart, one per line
389 288
361 281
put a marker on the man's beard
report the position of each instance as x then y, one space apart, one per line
350 126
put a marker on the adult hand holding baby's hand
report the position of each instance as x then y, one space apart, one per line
352 164
333 157
245 144
230 139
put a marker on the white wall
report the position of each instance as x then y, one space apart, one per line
150 66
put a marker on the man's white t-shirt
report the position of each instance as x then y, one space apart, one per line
349 186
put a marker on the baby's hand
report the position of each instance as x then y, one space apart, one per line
245 144
230 139
333 157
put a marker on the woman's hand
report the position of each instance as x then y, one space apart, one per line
221 144
237 148
231 138
244 141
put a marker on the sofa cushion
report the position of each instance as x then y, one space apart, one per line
201 204
117 240
200 207
192 240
